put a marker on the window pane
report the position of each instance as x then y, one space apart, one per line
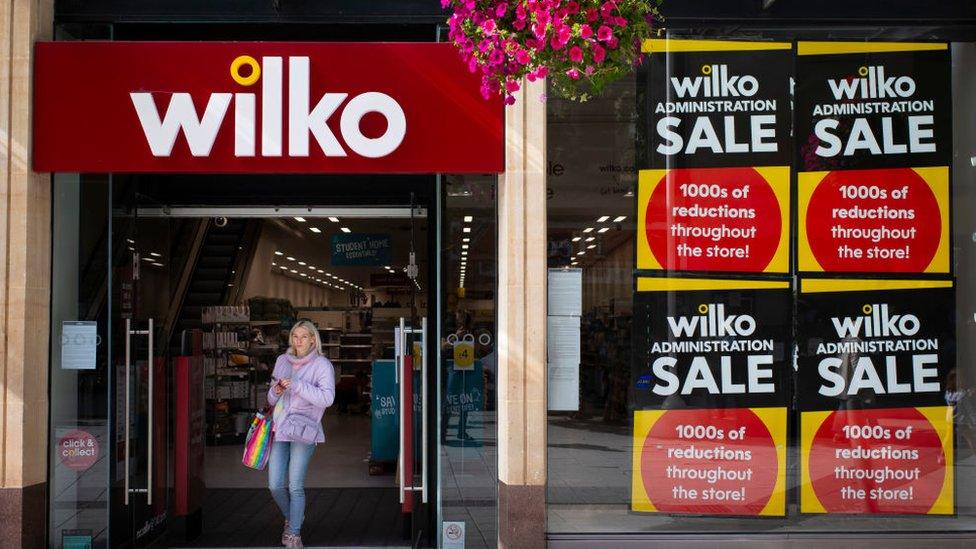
468 428
594 151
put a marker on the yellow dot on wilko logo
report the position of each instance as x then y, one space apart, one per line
863 71
703 308
235 70
706 69
867 309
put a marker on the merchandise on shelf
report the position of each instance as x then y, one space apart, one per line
221 340
225 313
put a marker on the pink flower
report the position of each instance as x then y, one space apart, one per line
511 86
620 21
561 37
543 17
539 30
445 3
599 54
576 54
606 10
509 100
592 15
589 70
573 73
522 56
488 25
519 24
500 9
586 31
613 43
541 72
571 7
604 33
564 33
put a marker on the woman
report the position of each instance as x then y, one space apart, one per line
304 386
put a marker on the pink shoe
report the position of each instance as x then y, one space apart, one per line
292 541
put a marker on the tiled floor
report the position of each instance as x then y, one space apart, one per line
342 462
338 476
239 517
469 479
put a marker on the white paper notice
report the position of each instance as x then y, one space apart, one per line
563 386
563 347
565 292
563 339
79 342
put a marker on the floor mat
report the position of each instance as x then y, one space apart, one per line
350 517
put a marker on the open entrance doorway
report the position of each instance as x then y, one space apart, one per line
157 266
200 301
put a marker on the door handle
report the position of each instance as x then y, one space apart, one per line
152 414
423 409
405 380
128 417
129 332
399 345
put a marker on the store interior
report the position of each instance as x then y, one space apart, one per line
243 285
290 276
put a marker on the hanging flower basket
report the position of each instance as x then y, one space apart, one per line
580 45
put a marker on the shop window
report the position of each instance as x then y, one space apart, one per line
808 370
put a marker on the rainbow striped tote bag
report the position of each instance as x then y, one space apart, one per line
257 445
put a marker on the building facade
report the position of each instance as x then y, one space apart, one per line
583 353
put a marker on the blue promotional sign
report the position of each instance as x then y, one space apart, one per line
385 411
361 249
385 424
465 389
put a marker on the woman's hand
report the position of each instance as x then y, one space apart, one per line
281 386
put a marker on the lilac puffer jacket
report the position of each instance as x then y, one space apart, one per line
312 390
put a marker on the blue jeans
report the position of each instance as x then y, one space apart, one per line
291 458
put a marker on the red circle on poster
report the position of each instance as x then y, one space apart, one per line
858 463
714 473
78 450
885 220
713 219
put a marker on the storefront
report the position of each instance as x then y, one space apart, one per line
660 316
207 195
766 357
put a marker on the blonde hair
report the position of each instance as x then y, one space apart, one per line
308 326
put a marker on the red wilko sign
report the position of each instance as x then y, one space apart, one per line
251 107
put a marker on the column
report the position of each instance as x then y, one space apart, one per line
25 272
522 324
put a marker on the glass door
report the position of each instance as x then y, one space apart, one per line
141 316
415 384
148 283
